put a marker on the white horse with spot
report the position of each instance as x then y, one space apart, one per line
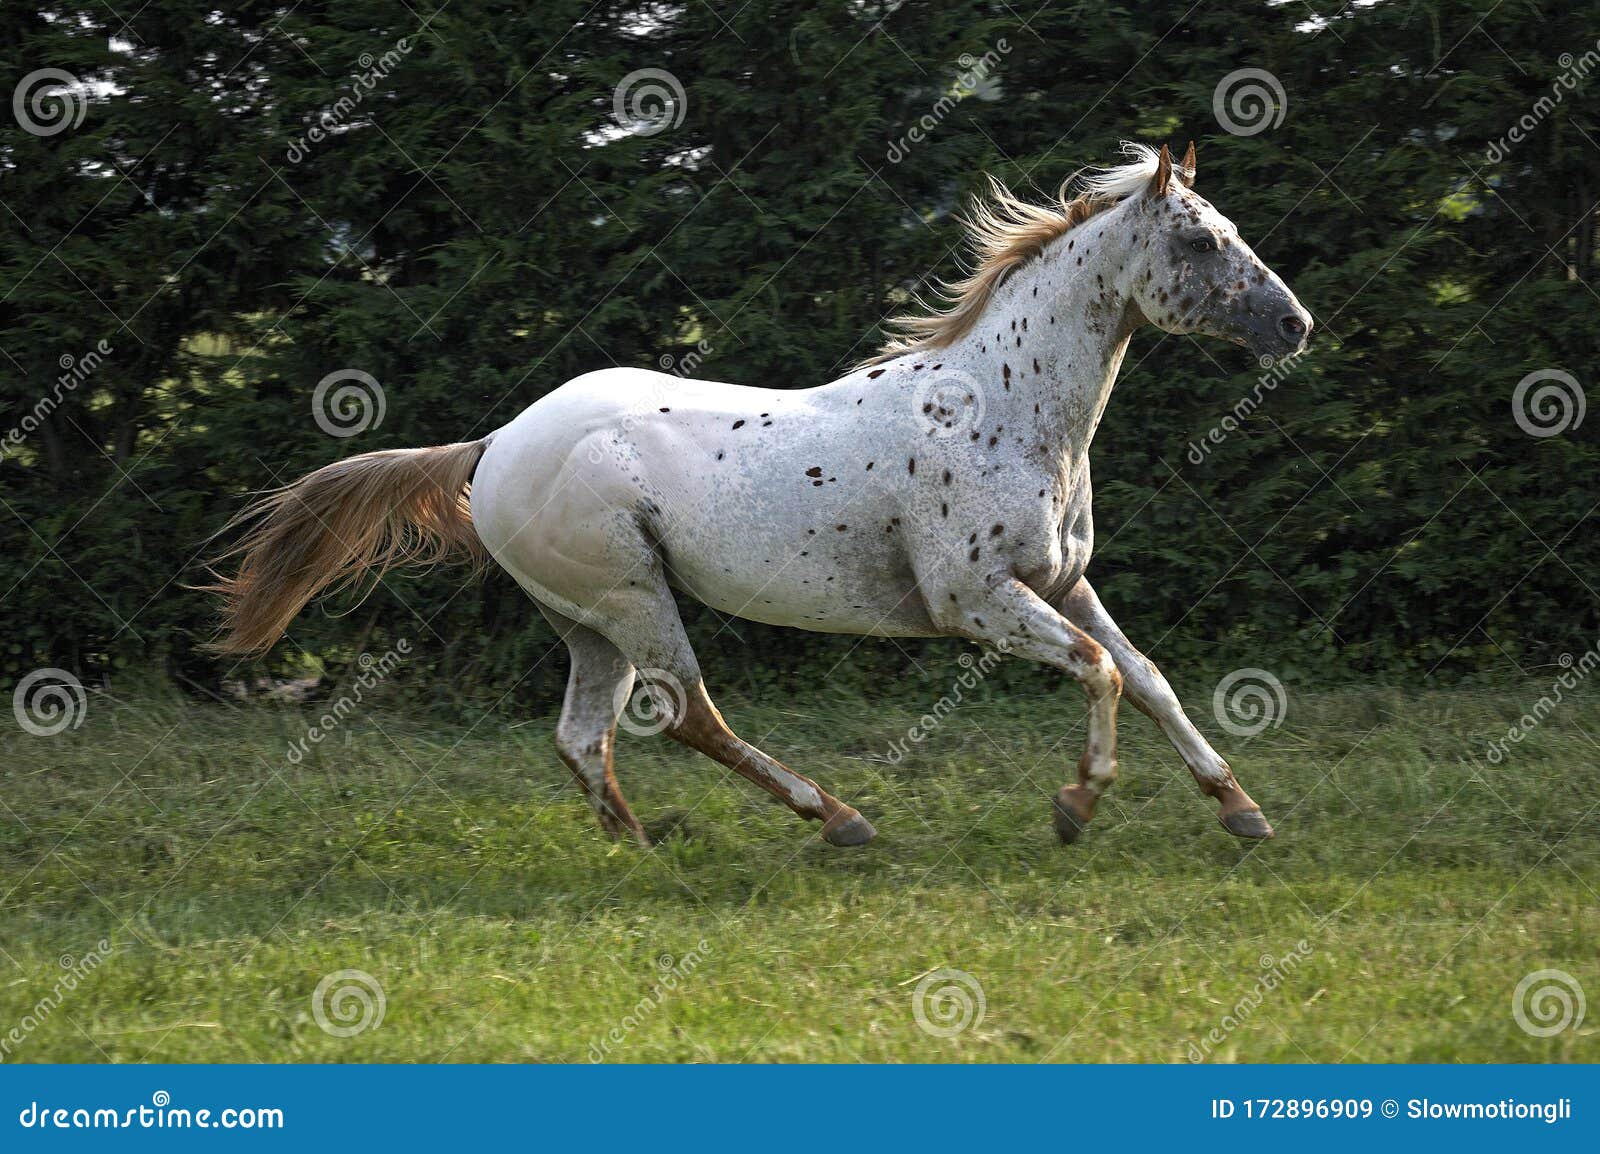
940 490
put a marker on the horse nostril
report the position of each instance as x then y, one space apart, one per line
1292 325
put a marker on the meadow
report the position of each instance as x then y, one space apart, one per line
1412 885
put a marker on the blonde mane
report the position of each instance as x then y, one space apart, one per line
1005 233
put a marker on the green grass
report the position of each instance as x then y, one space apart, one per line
459 868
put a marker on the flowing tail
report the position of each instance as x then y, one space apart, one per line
330 529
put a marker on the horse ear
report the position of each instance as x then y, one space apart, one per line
1186 169
1163 176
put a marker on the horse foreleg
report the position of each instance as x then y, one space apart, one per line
1149 692
1016 617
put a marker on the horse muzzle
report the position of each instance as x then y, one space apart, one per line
1277 327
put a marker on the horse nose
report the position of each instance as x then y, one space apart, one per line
1294 326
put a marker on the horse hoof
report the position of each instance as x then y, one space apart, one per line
1246 823
1073 807
847 827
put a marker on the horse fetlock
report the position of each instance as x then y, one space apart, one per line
1097 772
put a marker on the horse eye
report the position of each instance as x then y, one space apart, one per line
1205 244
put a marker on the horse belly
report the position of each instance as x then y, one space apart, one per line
804 581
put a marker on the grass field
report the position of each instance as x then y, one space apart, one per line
460 870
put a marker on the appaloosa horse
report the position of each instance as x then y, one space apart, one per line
941 489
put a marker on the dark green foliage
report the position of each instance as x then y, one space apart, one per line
472 235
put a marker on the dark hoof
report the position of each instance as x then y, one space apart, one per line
1073 807
847 827
1247 823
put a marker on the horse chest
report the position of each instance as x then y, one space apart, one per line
1065 541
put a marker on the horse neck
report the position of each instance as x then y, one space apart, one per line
1048 348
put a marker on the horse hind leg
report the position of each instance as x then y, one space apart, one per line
642 621
702 727
598 684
